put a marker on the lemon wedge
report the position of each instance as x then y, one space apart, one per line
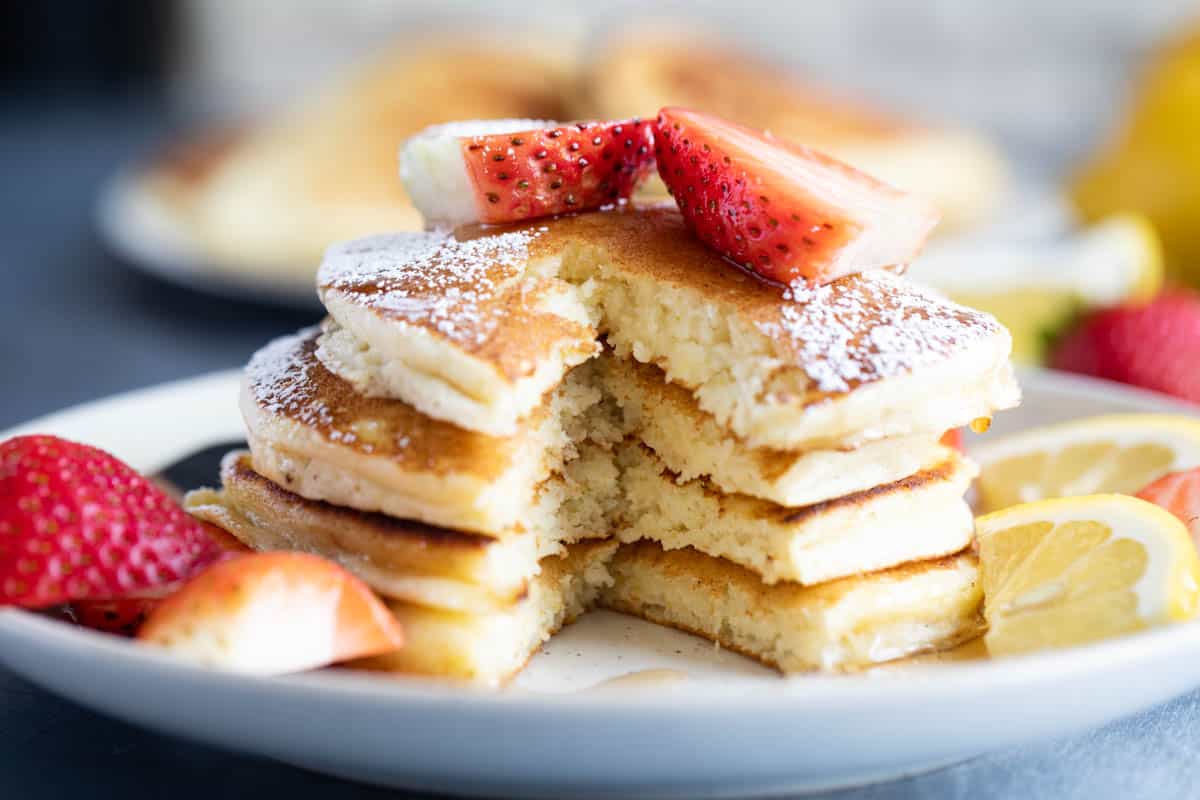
1038 290
1119 453
1063 572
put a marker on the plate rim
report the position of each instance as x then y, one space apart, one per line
121 218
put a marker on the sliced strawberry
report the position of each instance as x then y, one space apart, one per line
124 616
780 210
77 524
1179 493
511 170
1153 345
272 613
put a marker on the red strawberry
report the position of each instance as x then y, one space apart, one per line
512 170
77 524
783 211
1154 345
124 615
1179 493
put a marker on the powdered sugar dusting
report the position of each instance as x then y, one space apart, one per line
871 326
431 279
281 383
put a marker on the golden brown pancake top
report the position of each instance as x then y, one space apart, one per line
286 379
473 293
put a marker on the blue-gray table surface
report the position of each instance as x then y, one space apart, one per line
75 325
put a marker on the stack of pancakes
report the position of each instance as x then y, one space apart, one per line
500 428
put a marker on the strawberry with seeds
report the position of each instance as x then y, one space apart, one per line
512 170
1179 493
782 211
77 524
124 616
1155 345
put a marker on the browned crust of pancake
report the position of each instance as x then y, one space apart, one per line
652 382
268 517
287 380
937 473
783 515
716 573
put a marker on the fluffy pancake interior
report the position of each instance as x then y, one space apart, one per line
918 517
844 625
312 433
692 444
490 648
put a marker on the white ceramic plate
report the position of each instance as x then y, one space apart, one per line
729 728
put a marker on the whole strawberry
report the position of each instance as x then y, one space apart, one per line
77 524
1153 346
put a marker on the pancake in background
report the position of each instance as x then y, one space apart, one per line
637 73
271 198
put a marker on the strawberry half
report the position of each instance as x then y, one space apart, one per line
1154 345
272 613
77 524
512 170
1179 493
782 211
124 616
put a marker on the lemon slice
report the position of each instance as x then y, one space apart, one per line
1063 572
1038 290
1119 453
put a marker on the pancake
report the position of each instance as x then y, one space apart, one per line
649 67
490 648
919 517
313 434
691 444
844 625
325 170
465 333
408 560
866 357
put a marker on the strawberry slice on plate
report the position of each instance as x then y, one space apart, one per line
1179 493
273 613
512 170
780 210
77 524
124 616
121 616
